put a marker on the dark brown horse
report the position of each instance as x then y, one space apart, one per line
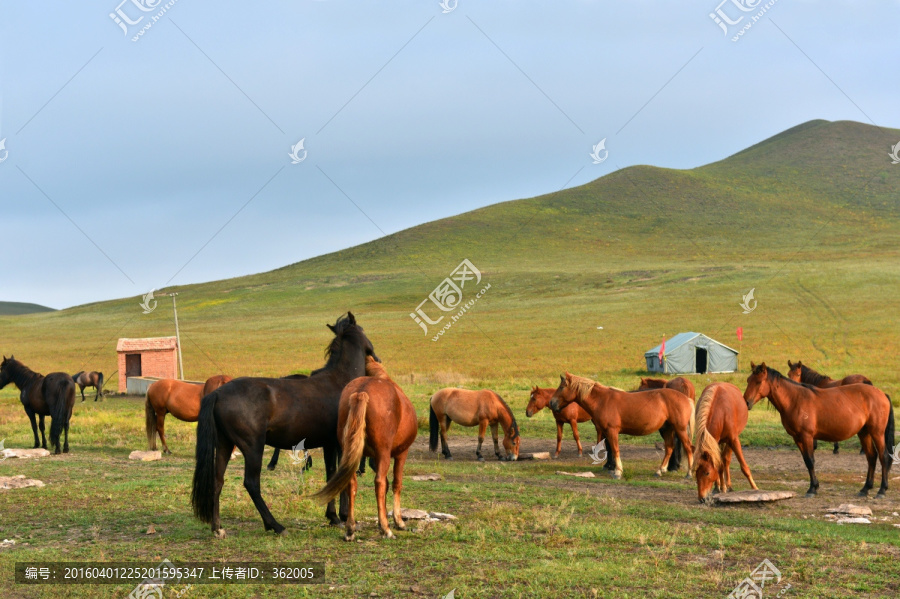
178 398
682 385
638 413
376 419
89 379
52 395
480 408
572 414
809 413
254 412
721 416
801 373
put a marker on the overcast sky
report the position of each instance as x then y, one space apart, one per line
126 158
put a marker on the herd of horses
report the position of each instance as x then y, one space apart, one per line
353 410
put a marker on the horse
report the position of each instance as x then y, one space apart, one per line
470 408
637 413
254 412
836 414
801 373
571 414
179 398
679 384
89 379
376 419
52 395
721 415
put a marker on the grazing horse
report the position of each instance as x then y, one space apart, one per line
254 412
89 379
801 373
52 395
809 413
181 399
572 414
375 419
679 384
721 416
637 413
473 408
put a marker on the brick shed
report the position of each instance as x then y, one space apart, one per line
154 356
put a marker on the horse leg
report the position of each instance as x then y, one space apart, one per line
252 471
82 393
223 455
882 454
726 469
330 459
612 441
381 470
274 461
739 454
496 443
482 426
66 431
350 525
399 462
161 429
43 435
362 467
837 448
866 441
688 448
574 424
445 426
96 397
668 435
805 444
559 433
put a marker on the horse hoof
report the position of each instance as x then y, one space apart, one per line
862 494
270 468
658 474
879 495
617 475
448 457
389 535
810 494
335 522
219 534
350 538
400 525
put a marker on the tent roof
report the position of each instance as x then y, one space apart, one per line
681 339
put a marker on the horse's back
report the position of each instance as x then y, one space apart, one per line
58 386
682 385
463 406
727 410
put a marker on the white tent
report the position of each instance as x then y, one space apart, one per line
692 353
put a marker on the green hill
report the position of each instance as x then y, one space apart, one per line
16 308
809 218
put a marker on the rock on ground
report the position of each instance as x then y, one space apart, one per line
25 453
423 477
752 496
579 474
18 482
849 509
145 456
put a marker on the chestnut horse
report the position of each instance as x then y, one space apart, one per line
801 373
572 414
721 416
637 413
836 414
89 379
470 408
181 399
375 419
683 385
52 395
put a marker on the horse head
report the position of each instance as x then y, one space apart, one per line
564 394
707 476
757 384
537 401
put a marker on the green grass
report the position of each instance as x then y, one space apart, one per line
809 218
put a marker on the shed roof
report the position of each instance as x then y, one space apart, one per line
147 344
681 339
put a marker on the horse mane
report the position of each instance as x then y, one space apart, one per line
810 376
342 328
20 374
376 370
703 441
514 426
773 375
581 385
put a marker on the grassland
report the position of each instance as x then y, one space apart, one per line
809 218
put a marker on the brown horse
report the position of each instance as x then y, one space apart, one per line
638 413
683 385
52 395
572 414
376 419
801 373
181 399
836 414
721 416
89 379
470 408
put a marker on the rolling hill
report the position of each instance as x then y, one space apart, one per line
810 218
16 308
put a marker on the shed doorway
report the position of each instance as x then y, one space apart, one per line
133 365
701 360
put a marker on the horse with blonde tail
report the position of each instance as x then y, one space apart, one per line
721 416
638 413
377 420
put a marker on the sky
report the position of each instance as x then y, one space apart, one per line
136 157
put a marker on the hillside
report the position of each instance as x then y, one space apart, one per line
809 217
16 308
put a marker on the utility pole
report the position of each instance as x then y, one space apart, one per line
177 334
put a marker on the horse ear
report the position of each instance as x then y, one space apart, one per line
763 366
351 318
330 327
752 365
789 364
562 379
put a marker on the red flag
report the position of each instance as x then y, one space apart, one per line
740 333
662 350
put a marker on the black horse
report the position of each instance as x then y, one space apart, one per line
254 412
52 395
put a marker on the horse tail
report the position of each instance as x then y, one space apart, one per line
203 493
353 443
435 427
150 423
889 433
704 442
99 381
59 408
